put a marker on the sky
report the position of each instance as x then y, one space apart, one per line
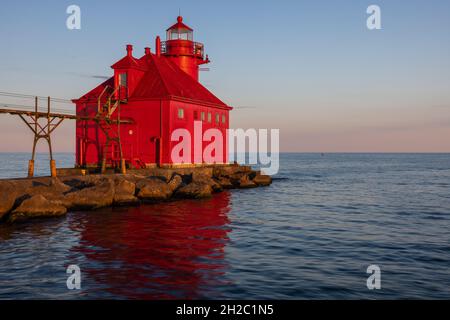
309 68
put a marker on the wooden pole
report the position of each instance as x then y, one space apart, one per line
123 168
104 151
30 169
35 140
52 162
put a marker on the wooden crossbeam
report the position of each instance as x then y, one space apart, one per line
55 115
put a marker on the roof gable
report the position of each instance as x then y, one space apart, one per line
126 63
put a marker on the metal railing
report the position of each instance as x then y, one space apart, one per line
25 102
195 48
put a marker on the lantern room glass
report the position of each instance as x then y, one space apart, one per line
180 34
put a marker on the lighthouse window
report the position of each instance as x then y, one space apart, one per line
224 118
123 80
203 116
217 118
209 117
183 36
179 34
181 113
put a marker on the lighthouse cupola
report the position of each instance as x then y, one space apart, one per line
181 48
180 31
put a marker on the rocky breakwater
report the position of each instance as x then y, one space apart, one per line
24 199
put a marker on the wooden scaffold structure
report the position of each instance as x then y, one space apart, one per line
43 123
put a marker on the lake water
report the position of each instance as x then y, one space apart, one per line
312 234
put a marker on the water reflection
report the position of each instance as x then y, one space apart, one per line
162 251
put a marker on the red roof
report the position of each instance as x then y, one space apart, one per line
126 62
163 79
179 25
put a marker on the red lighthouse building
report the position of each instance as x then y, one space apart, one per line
130 118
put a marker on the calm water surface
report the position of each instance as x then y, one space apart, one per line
312 234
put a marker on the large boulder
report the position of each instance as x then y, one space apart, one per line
225 183
131 177
124 192
53 189
101 194
253 173
236 178
262 180
246 183
79 182
37 207
8 196
204 179
175 182
124 186
228 170
195 190
153 189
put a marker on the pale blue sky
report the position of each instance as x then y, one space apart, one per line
310 68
